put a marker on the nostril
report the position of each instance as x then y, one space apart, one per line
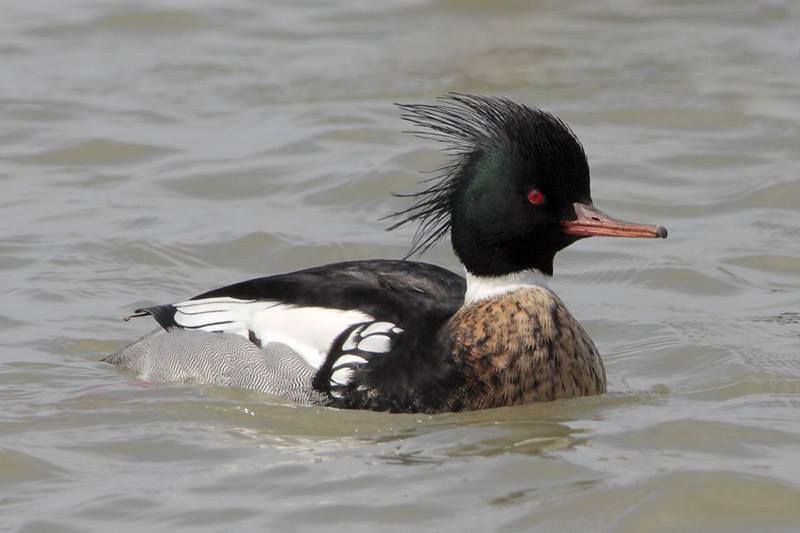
596 219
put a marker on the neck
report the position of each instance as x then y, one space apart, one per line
482 287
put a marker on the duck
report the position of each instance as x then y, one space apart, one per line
401 335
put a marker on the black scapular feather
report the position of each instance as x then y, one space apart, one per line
467 125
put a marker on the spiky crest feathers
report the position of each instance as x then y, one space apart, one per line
468 125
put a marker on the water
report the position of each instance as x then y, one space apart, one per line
151 151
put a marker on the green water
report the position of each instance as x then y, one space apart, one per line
151 151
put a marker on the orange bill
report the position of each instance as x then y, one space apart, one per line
591 222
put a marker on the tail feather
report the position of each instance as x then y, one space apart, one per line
163 314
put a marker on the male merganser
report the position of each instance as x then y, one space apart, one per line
406 336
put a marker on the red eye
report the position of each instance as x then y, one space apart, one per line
536 197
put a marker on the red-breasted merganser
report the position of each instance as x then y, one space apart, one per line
406 336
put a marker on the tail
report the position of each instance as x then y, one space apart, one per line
163 314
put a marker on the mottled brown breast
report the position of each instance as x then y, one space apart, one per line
522 347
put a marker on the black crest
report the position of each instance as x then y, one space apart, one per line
469 125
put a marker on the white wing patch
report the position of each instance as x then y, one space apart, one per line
308 330
343 369
228 315
365 341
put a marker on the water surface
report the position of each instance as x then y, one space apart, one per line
151 151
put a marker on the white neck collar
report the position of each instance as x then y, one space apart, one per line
480 288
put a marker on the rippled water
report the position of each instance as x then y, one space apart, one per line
150 151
